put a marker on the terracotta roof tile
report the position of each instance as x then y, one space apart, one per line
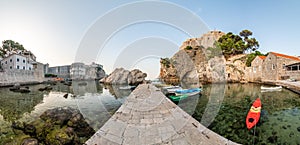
286 56
262 57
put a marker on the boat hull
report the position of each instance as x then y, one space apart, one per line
253 114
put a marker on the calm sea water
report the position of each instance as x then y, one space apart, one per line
222 108
96 102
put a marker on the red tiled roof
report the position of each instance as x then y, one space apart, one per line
262 57
286 56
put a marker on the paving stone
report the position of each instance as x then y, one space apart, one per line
148 117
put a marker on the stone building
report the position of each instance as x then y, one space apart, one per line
256 70
80 71
274 66
60 71
17 61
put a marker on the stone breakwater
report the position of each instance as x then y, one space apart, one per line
293 86
148 117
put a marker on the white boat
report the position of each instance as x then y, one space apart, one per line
189 94
171 89
127 87
270 88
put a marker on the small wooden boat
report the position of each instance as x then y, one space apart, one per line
127 87
171 89
181 96
176 98
185 91
270 88
253 114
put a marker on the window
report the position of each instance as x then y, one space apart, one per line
10 60
273 66
18 67
254 69
5 62
18 59
10 67
29 68
24 67
24 61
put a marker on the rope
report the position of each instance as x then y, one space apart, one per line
254 134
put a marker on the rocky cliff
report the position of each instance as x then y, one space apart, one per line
122 76
194 61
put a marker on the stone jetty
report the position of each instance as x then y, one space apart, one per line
148 117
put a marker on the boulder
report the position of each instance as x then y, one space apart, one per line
121 76
56 126
30 141
58 116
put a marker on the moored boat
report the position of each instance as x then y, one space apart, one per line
253 114
185 91
178 97
171 89
271 88
127 87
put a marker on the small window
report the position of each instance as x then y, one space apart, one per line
29 68
5 62
18 59
10 67
18 67
23 61
24 67
10 60
273 66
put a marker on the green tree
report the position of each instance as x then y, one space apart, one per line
232 44
252 56
10 45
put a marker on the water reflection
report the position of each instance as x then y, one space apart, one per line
14 105
95 103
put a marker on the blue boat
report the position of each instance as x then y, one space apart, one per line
186 91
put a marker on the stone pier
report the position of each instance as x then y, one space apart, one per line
148 117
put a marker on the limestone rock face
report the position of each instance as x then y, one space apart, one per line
206 40
122 76
236 68
191 62
194 61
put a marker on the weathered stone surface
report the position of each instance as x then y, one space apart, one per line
194 62
122 76
160 122
30 141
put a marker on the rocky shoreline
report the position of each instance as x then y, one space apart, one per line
55 126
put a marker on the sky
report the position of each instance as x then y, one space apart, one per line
136 34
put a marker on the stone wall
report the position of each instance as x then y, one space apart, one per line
10 77
293 75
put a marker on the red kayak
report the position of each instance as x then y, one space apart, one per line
253 114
